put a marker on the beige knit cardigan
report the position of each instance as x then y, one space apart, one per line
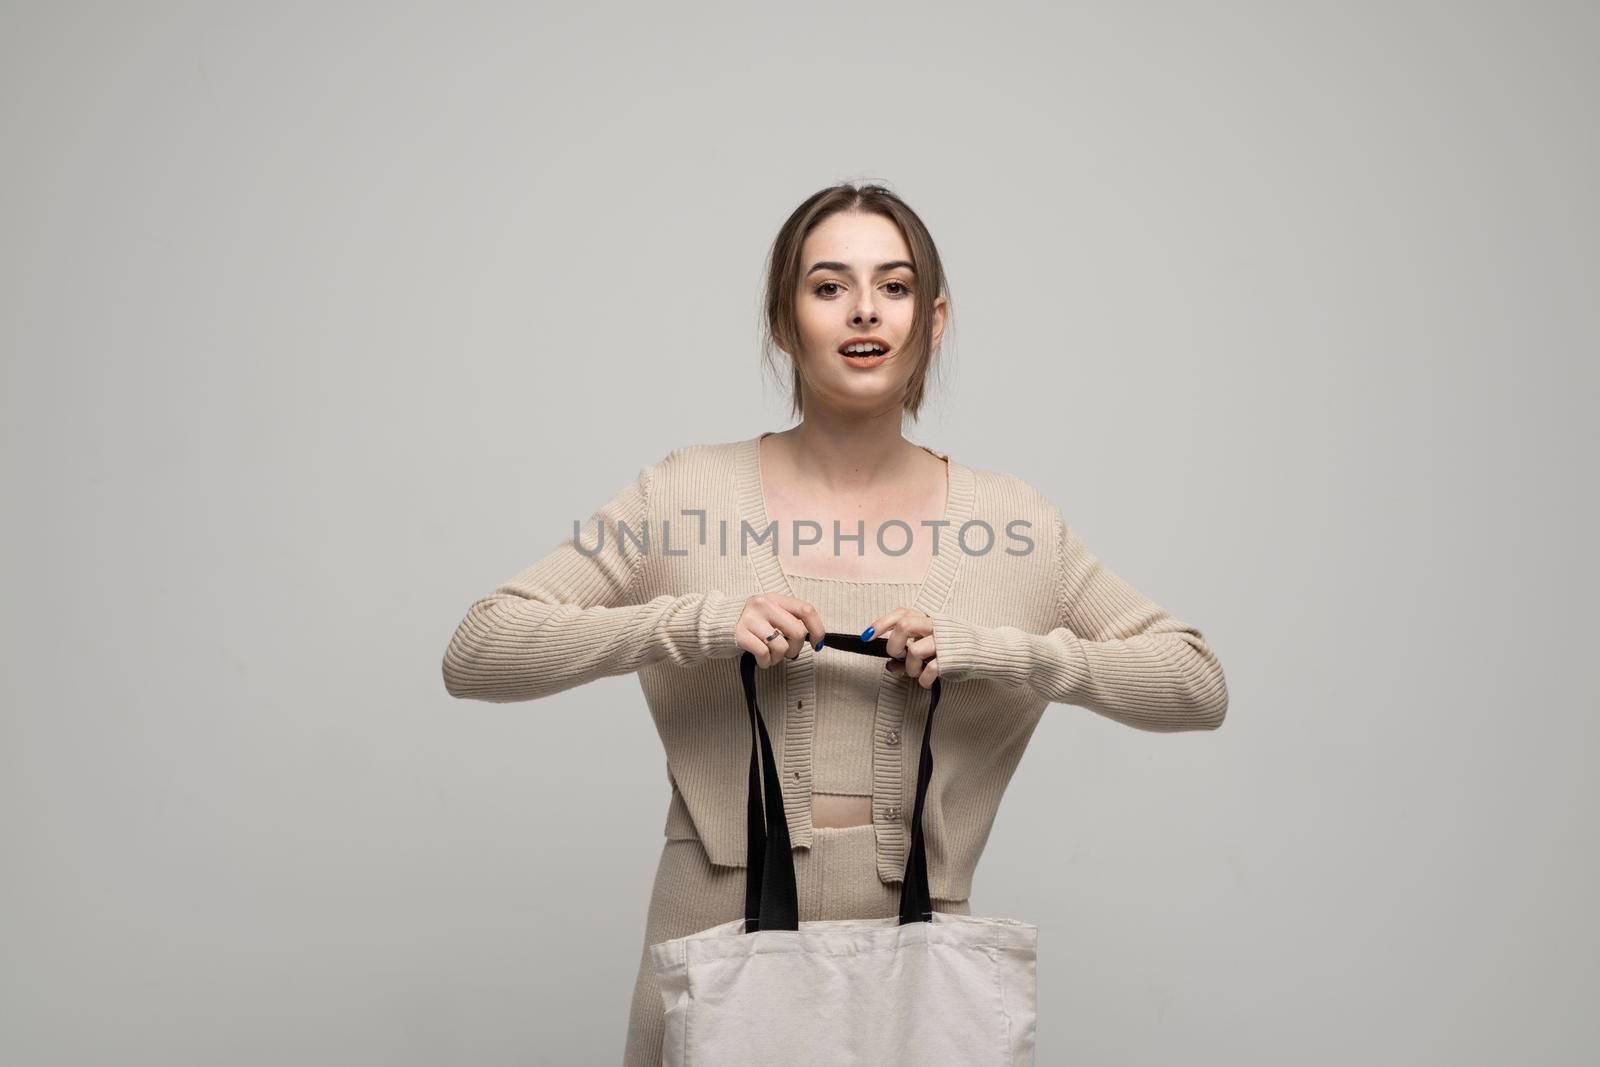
654 582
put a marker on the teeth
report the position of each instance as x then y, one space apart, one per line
863 349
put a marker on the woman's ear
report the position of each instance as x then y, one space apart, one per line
781 341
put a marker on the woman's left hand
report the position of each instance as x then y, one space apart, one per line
909 636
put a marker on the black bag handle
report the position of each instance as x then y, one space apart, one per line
770 899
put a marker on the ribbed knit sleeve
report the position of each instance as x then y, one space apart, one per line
1114 651
571 617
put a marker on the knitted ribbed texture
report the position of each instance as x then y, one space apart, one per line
1024 615
848 686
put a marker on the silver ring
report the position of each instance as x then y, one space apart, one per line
774 635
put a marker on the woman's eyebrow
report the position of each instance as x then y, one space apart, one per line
844 268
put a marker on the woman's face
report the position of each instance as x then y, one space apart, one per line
856 281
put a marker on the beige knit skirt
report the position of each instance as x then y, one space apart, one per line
836 878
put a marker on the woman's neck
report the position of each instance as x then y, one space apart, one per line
844 456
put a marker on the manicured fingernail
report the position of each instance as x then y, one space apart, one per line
866 635
818 646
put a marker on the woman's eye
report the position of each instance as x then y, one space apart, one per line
828 288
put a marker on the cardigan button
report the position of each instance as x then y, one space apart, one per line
894 737
891 813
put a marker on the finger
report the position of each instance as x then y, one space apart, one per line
885 626
917 652
904 625
926 676
806 613
880 626
925 673
791 633
795 630
754 637
777 647
747 640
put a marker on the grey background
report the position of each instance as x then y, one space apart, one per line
320 321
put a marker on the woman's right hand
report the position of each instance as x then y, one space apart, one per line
794 619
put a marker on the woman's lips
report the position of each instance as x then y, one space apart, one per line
865 362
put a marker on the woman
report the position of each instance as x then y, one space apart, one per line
971 575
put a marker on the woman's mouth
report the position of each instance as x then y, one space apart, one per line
864 353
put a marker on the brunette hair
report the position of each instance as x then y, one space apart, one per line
783 270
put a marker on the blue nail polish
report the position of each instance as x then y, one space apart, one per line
866 635
818 646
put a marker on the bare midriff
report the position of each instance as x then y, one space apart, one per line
837 809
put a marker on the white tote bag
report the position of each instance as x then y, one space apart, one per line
924 987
